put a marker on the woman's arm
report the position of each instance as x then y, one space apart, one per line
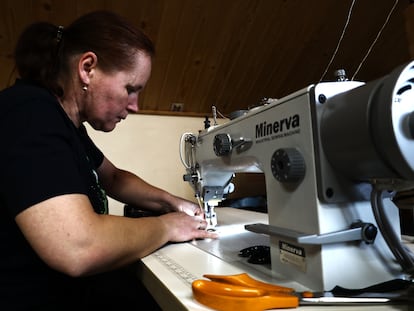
128 188
70 237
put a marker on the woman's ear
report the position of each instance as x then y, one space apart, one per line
86 66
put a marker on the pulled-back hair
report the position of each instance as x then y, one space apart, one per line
44 50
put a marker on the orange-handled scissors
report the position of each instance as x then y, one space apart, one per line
241 292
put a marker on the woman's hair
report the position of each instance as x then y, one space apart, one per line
44 50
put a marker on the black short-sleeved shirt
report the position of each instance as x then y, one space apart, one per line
43 155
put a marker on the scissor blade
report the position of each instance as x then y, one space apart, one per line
343 301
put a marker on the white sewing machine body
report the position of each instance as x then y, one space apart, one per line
315 211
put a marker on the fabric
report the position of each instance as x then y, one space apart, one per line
43 155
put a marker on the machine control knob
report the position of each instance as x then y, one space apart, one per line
288 165
222 145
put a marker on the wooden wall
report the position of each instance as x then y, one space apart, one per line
232 53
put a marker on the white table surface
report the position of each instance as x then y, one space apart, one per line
169 272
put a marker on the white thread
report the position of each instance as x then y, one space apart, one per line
375 40
340 40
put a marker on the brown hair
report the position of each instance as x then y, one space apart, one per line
44 50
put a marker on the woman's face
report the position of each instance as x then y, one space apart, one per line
111 96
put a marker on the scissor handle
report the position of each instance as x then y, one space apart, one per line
243 279
229 297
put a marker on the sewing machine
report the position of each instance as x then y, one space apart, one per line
333 155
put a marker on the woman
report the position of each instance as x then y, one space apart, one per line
58 241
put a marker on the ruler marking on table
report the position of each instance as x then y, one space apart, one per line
174 267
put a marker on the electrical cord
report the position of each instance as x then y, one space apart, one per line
402 254
185 157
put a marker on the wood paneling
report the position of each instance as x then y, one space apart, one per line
232 53
409 26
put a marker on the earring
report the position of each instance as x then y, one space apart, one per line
85 88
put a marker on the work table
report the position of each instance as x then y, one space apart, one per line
169 272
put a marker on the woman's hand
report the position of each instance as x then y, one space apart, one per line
183 227
190 208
